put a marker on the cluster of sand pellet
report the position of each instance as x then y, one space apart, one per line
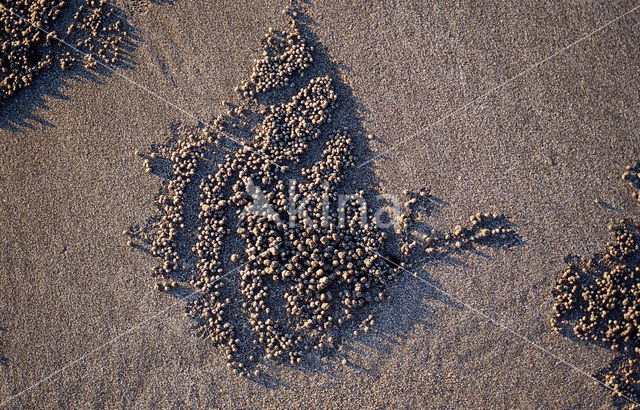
284 55
623 377
36 34
306 262
24 47
483 229
599 298
632 176
320 267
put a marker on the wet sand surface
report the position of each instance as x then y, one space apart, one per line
539 149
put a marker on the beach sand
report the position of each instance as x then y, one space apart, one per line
493 125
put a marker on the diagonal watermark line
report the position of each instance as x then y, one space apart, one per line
507 329
498 87
115 339
142 87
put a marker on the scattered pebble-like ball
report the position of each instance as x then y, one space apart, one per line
632 176
598 299
34 36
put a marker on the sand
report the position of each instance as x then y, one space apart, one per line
540 149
